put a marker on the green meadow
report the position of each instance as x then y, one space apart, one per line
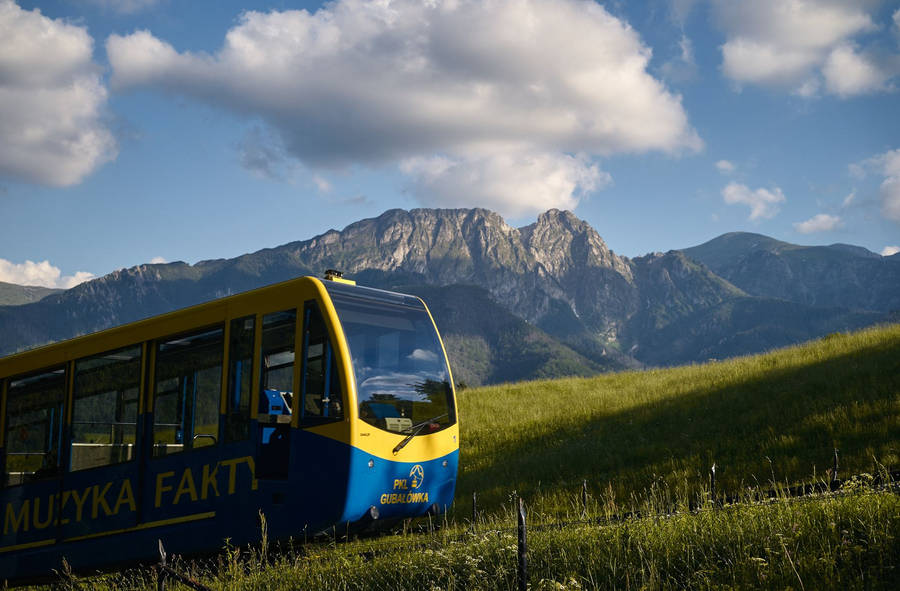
644 443
773 417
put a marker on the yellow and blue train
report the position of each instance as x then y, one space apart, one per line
316 403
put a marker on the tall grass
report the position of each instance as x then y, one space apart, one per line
772 417
843 542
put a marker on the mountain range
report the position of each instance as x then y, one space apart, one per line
13 295
545 300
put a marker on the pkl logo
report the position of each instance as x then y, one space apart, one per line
416 476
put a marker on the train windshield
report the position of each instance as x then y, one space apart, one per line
402 379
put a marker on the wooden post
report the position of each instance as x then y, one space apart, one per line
161 571
584 498
834 471
166 572
474 508
522 571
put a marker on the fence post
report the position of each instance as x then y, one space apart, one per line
522 571
834 471
474 508
584 498
161 571
712 484
164 572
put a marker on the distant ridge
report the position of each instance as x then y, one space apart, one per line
839 275
552 298
16 295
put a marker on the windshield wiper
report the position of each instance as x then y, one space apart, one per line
415 431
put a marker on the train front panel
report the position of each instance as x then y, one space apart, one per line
404 434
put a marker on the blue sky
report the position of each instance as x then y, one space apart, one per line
162 130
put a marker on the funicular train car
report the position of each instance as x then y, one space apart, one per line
316 403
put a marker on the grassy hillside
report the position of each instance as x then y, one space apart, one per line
642 439
773 416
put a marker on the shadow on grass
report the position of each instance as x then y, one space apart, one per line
782 427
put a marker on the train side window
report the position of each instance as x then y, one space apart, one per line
188 386
34 426
105 408
320 387
240 374
277 363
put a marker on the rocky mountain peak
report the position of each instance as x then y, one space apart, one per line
439 244
560 242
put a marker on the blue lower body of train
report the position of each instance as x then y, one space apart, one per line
197 502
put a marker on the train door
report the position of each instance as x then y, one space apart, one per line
320 469
182 479
276 394
320 388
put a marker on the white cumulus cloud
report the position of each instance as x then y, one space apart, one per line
41 274
890 198
848 73
822 222
794 43
763 203
379 83
887 166
51 100
158 261
516 184
323 185
890 250
725 166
